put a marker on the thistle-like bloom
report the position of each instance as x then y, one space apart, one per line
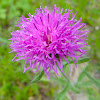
46 38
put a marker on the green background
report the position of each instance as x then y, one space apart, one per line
14 85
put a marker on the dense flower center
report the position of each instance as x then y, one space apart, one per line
47 37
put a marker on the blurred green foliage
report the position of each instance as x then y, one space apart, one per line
14 85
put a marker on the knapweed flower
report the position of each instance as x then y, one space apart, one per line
46 38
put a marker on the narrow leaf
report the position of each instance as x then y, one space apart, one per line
92 79
82 75
37 78
82 60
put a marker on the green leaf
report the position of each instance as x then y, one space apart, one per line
82 60
97 83
82 75
37 78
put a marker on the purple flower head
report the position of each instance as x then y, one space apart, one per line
46 38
